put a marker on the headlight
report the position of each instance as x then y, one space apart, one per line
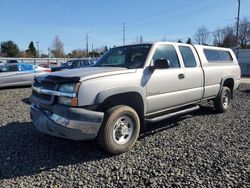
64 100
68 101
67 88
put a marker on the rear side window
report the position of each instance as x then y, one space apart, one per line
217 55
225 56
167 52
188 56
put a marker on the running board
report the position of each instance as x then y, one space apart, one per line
172 114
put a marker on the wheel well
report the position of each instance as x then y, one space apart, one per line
131 99
230 84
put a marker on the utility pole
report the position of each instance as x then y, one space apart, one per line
92 47
48 52
123 30
37 47
87 44
238 22
141 40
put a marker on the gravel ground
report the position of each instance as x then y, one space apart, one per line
202 149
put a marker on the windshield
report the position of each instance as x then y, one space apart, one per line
127 56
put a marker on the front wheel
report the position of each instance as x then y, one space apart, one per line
221 103
119 130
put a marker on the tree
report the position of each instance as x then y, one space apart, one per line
244 33
179 41
202 35
57 48
22 54
229 38
94 54
9 49
189 41
78 53
44 56
218 37
31 51
225 37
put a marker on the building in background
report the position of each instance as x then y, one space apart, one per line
244 61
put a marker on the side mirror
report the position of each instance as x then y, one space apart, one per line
162 64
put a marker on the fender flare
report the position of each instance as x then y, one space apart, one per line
223 81
101 96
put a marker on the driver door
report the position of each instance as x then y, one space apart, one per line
165 87
9 75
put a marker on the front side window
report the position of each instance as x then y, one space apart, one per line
12 68
127 56
76 63
84 63
67 64
167 52
187 56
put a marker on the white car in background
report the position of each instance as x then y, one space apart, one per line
41 69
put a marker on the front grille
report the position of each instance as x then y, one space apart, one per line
41 96
44 85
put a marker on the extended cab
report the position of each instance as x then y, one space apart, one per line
130 86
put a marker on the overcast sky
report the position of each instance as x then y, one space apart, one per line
41 20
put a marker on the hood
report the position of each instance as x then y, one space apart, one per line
82 74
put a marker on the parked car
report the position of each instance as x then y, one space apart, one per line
1 63
130 86
73 64
39 68
18 74
12 61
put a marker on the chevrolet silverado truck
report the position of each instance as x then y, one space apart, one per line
130 86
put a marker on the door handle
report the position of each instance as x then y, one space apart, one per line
181 76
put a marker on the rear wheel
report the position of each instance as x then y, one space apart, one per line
119 130
222 102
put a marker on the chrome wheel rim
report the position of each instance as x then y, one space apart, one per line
122 130
225 100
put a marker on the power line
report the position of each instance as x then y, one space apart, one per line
174 17
183 15
212 32
166 11
116 29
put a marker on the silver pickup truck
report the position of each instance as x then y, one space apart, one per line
130 86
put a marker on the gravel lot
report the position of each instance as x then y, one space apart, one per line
202 149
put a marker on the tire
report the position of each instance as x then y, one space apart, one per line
120 129
221 103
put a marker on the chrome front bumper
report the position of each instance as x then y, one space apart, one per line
67 122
